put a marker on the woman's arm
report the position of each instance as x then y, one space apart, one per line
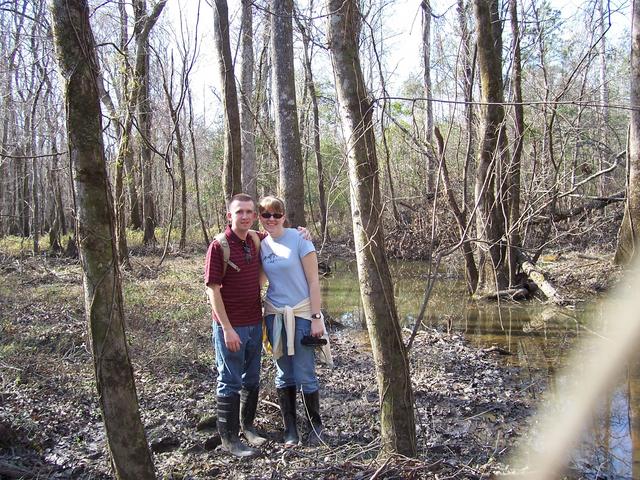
263 277
310 266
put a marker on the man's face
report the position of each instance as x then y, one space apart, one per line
242 215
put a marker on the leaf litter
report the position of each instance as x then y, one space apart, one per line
471 408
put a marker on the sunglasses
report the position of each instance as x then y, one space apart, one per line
268 215
247 252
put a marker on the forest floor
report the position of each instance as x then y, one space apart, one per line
472 408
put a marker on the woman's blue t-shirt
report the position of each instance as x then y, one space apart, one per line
282 262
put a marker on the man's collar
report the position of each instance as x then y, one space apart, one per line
233 236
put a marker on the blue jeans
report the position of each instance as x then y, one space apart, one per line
241 369
298 370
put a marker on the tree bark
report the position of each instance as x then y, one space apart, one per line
124 154
196 179
7 193
75 49
143 25
291 178
602 18
513 173
428 113
249 161
488 191
128 171
392 368
629 229
232 166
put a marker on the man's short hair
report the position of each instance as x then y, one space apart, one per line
241 197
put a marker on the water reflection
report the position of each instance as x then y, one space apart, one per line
538 338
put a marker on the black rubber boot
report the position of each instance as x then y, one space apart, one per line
248 407
229 426
312 410
287 401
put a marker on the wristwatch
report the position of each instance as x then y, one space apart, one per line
316 316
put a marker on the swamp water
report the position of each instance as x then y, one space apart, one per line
539 339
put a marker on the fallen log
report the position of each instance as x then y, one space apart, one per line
536 276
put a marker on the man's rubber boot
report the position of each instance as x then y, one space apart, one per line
312 410
287 401
248 407
229 426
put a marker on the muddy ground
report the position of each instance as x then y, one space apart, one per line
471 407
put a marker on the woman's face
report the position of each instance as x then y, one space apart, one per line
269 221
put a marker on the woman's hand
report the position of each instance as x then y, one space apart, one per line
317 327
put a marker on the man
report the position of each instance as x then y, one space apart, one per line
234 295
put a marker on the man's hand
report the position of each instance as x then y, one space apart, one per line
231 339
304 233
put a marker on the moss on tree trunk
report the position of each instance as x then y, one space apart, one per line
75 50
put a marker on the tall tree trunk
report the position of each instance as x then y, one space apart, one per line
267 151
40 76
630 227
124 153
390 356
8 190
36 224
143 107
58 211
315 112
428 94
140 98
174 112
196 180
489 197
24 197
232 166
291 179
249 160
467 74
75 49
513 174
128 171
602 16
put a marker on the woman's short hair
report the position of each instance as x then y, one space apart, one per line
271 203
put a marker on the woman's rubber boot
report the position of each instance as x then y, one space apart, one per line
287 401
248 407
312 410
229 427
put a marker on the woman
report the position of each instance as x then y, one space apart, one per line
292 312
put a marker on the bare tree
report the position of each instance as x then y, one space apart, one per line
247 112
390 356
513 172
143 24
175 112
291 184
231 172
629 230
310 91
75 49
488 187
425 5
196 178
